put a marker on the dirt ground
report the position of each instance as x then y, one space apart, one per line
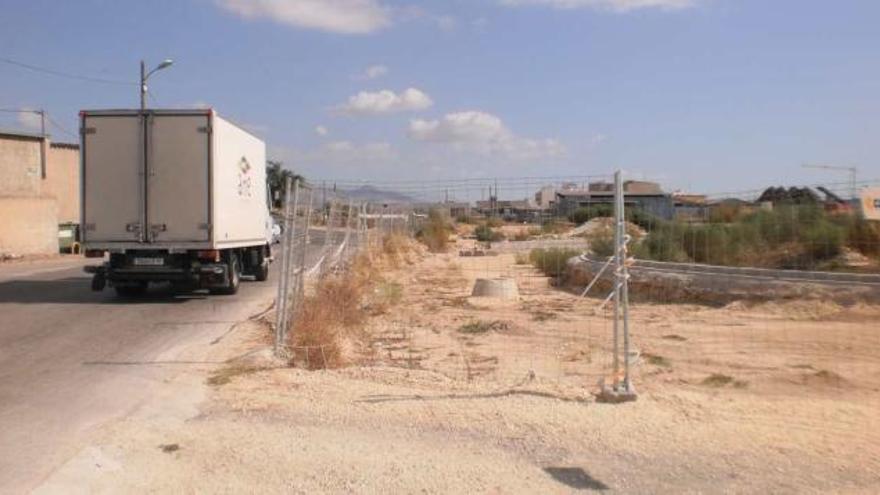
455 394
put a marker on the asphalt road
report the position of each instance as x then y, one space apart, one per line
72 359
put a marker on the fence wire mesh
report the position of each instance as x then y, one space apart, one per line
763 291
760 293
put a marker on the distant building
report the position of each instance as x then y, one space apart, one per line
39 188
545 197
869 203
452 209
690 207
646 196
521 210
729 209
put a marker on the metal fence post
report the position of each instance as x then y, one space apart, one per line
328 234
616 310
284 278
624 280
621 391
302 255
347 247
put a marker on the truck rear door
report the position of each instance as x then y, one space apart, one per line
112 178
178 164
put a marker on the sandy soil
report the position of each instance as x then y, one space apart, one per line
770 398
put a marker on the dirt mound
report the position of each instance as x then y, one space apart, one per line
795 309
824 378
602 225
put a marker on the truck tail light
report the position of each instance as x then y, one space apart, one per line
94 253
210 255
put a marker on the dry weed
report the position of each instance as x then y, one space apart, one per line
656 360
395 248
481 326
335 313
225 375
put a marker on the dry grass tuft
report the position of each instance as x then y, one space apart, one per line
315 337
344 295
340 304
656 360
717 380
225 375
825 377
395 248
540 315
482 326
435 232
385 296
322 318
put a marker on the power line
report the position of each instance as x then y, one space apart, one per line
68 75
41 112
60 127
153 98
18 110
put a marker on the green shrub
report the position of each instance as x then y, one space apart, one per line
587 213
494 222
553 227
435 232
823 240
725 213
662 244
484 233
789 236
552 261
602 242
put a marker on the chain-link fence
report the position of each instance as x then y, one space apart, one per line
775 291
748 290
321 233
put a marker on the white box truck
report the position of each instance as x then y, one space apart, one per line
175 196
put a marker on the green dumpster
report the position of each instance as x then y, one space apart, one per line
68 237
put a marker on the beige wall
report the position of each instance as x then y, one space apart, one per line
32 206
62 181
869 202
20 173
28 225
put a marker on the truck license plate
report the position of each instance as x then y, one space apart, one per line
149 261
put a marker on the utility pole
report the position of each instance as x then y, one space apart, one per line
146 75
143 87
43 138
495 202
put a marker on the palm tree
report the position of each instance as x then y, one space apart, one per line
276 176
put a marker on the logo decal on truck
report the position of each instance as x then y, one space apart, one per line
245 180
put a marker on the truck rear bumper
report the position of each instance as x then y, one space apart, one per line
205 276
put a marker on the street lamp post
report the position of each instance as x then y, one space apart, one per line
146 75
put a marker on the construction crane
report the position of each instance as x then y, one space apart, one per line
853 174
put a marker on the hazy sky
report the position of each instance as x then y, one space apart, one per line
708 95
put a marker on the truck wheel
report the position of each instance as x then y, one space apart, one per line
131 290
234 270
261 274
